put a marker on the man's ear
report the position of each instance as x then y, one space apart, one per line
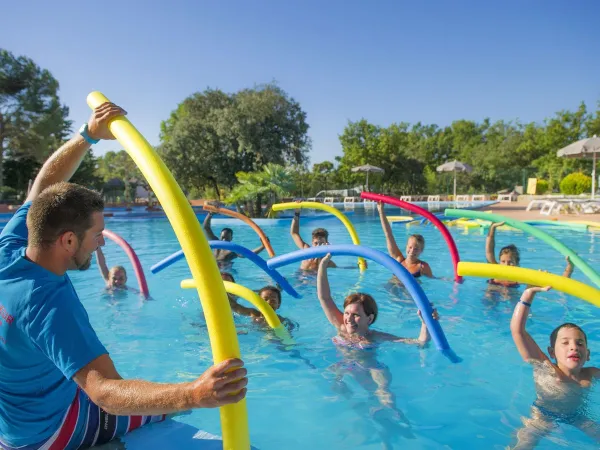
69 242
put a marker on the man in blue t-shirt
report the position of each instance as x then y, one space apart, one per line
58 385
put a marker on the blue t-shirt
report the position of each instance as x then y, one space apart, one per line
45 339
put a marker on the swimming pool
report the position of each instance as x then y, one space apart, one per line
294 400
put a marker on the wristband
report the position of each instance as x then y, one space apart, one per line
297 214
83 131
525 303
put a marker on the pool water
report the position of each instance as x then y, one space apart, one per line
295 400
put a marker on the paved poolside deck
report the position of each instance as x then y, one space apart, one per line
517 210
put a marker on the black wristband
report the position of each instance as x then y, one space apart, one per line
525 303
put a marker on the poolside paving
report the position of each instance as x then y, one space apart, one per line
517 210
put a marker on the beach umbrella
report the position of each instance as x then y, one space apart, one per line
583 149
454 166
368 168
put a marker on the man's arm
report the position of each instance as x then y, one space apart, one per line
295 231
102 263
64 162
222 384
207 228
528 348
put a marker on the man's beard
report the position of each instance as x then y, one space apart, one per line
82 265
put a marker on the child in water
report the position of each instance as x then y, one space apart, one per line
509 256
414 247
270 294
562 386
116 277
320 236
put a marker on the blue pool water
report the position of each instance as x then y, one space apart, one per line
294 401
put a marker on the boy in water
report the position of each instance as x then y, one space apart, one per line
320 236
223 257
116 277
269 294
561 386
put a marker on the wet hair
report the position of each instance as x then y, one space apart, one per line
60 208
320 233
227 275
420 240
512 248
272 289
116 269
227 229
554 334
368 303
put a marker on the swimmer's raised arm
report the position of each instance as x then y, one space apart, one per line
257 250
528 348
490 243
242 310
424 336
295 231
569 269
334 315
390 241
102 264
207 228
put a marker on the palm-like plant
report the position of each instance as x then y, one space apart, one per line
271 183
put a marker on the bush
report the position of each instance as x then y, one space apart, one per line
576 183
541 187
7 193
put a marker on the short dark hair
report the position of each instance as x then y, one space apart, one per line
320 233
273 289
227 229
60 208
368 303
554 334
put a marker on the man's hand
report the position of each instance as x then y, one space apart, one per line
101 116
223 384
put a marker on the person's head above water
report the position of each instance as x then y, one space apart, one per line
320 236
272 296
117 277
360 312
415 246
226 234
568 346
65 224
509 256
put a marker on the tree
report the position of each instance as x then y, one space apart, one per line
271 183
33 123
213 135
120 166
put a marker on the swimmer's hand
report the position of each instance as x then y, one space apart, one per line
434 314
101 116
223 384
496 225
325 259
380 206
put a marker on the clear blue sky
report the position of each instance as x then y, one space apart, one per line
386 61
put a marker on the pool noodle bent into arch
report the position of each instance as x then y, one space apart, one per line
219 320
535 232
246 220
133 258
236 248
330 209
531 276
431 217
415 290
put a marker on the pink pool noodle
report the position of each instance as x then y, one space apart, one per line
135 262
423 212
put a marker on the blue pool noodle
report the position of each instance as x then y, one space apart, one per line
240 250
415 290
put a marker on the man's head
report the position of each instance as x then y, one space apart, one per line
66 219
320 236
226 234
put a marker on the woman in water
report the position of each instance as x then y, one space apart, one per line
414 247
